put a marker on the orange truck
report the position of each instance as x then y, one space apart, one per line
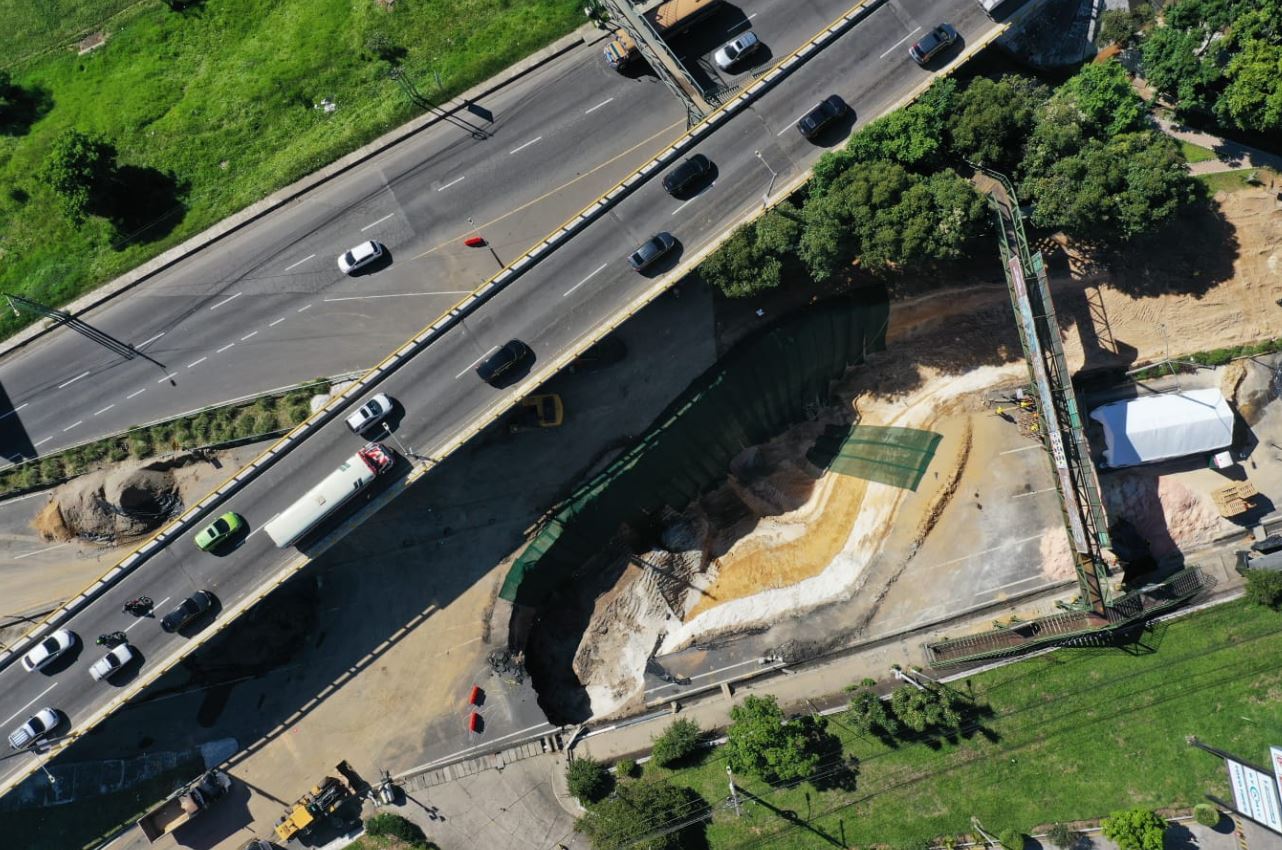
668 19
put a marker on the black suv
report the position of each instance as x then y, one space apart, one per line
685 176
932 42
189 609
510 354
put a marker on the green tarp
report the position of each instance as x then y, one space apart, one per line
894 456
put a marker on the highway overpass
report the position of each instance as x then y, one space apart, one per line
583 287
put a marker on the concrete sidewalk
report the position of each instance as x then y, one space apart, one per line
1230 155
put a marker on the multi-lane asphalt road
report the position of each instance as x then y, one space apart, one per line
551 307
267 306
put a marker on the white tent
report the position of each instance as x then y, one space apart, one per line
1143 430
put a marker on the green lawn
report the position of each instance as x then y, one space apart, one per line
1196 153
1226 181
1073 735
220 97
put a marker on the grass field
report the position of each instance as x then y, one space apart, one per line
1072 735
218 104
1196 153
1227 181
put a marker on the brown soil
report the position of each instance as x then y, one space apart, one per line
49 523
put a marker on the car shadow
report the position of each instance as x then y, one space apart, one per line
837 131
234 542
374 267
698 187
67 659
129 672
202 620
513 375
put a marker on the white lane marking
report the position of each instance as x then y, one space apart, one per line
520 148
248 335
1019 542
225 347
1009 584
40 551
592 109
261 527
680 208
736 26
104 410
15 410
167 377
304 308
135 393
149 340
1033 493
277 322
398 295
491 350
470 749
39 696
42 442
374 223
892 47
300 262
73 425
161 603
794 122
72 381
197 362
451 183
226 301
1021 449
585 280
705 675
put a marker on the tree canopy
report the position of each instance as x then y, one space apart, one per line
1136 828
645 815
992 118
78 167
762 742
757 254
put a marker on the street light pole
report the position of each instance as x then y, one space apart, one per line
404 450
765 199
734 792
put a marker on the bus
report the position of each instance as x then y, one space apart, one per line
668 19
337 488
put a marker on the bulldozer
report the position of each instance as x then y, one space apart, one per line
317 804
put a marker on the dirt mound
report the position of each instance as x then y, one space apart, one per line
112 505
1168 515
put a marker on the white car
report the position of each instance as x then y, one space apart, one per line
369 414
44 720
49 649
110 664
359 257
734 52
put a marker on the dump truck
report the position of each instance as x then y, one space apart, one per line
667 19
316 805
537 411
184 804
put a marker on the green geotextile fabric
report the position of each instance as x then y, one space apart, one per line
894 456
763 386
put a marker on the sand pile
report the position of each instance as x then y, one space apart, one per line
1166 513
111 505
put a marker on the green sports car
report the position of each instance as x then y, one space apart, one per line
219 531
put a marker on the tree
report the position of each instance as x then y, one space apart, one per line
757 255
1264 587
1113 190
78 168
1136 828
680 740
640 814
1252 99
589 779
1104 98
992 118
922 709
1206 814
1172 66
1121 25
762 742
912 136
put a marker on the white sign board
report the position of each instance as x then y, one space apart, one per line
1275 756
1256 794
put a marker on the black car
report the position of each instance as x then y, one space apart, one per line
679 180
932 42
510 354
650 250
828 110
189 609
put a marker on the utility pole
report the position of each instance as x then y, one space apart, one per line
734 792
655 50
765 199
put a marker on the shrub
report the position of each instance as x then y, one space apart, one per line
1264 587
763 742
1206 814
396 826
265 423
589 780
1062 835
647 816
678 741
1012 839
625 767
1136 828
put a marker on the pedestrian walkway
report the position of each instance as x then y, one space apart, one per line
1230 155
